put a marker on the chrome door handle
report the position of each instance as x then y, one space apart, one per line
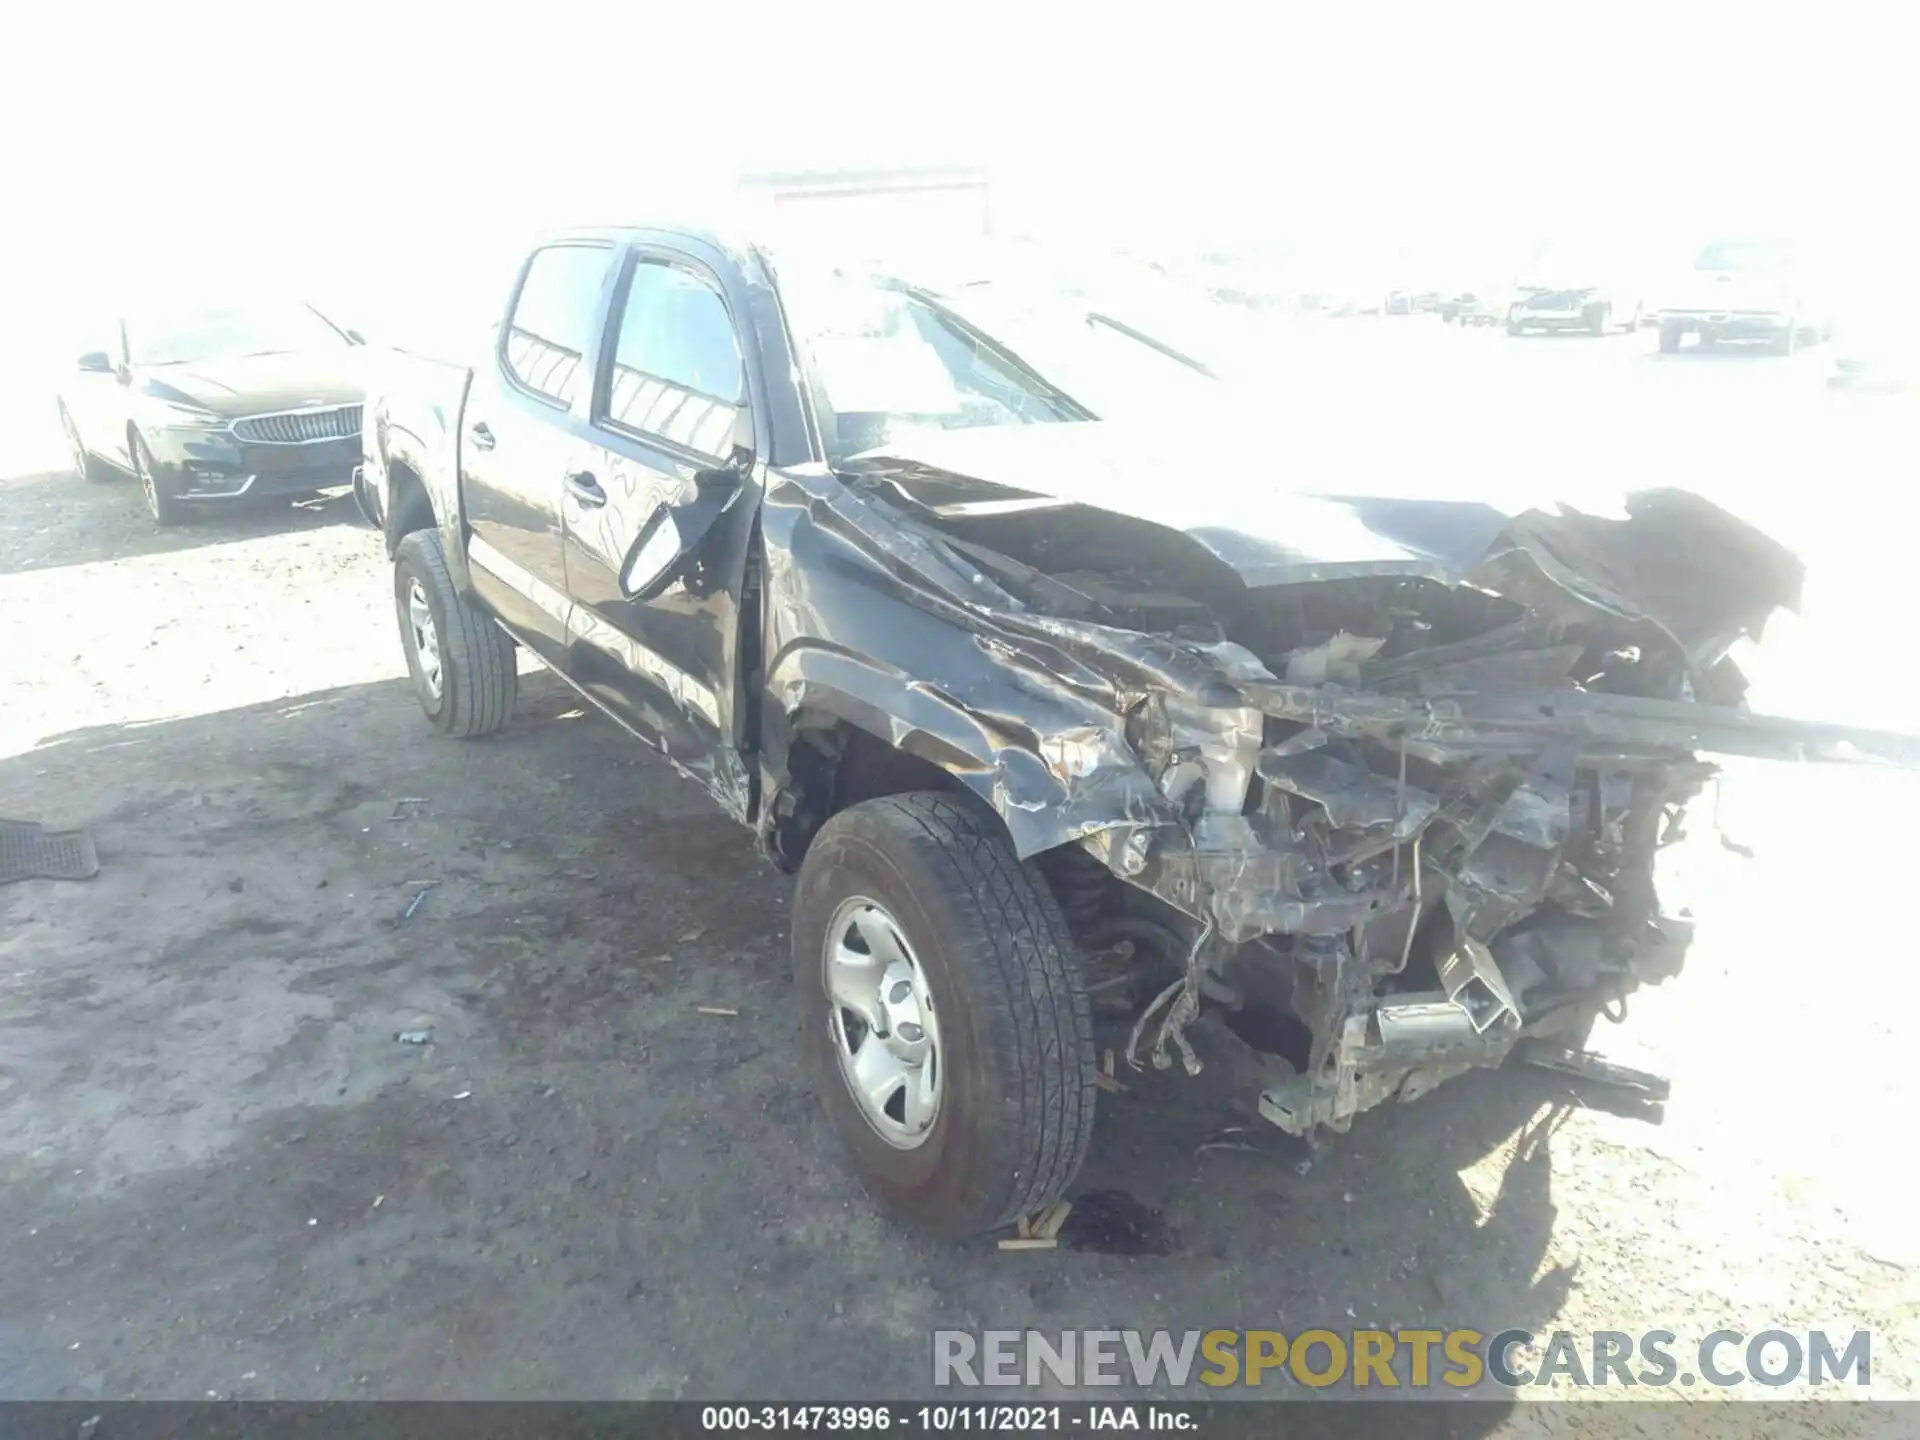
585 489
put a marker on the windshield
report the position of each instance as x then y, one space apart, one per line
227 332
887 359
1740 255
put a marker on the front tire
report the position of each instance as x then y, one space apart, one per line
461 661
944 1016
1670 337
1600 320
163 504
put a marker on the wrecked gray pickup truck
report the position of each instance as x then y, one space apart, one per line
1040 709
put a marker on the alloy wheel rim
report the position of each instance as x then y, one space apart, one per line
426 640
73 443
144 470
885 1034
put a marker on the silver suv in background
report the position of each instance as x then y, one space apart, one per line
1748 290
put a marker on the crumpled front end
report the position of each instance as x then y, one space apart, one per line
1421 823
1379 784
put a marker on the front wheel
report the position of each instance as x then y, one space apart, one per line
944 1016
163 503
1670 337
1599 319
461 661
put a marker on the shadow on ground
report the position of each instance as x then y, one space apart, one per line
225 1174
57 519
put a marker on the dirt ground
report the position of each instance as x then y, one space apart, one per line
220 1173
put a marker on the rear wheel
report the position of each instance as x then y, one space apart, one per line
86 465
461 661
1787 340
944 1016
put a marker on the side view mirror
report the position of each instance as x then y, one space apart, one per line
96 362
673 534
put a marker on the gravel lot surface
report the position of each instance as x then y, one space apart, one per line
220 1174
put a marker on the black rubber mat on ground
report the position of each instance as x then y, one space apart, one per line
32 852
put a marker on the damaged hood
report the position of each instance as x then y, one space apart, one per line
1370 503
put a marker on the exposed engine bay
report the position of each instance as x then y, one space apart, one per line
1407 796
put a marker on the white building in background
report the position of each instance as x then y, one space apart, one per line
879 204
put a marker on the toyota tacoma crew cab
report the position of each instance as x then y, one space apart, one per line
1065 689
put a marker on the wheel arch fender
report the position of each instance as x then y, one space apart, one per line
425 445
1045 786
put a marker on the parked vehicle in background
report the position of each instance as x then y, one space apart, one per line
1583 304
1583 287
1474 307
1746 290
1347 794
210 404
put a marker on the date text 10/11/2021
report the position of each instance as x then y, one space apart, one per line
946 1419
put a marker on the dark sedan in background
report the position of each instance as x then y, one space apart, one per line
213 403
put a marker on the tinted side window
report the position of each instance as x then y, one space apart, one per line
677 369
552 322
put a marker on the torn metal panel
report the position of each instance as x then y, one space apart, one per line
1529 670
1351 795
1624 720
1645 559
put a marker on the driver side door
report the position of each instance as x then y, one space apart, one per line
98 400
658 515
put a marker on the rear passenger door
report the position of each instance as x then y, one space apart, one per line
673 431
522 429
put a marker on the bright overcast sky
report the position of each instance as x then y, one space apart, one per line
287 140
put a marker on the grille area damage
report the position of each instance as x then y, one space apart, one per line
1392 803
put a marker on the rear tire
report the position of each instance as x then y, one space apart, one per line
1013 1110
86 464
461 661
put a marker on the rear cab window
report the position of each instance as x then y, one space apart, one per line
677 371
551 328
